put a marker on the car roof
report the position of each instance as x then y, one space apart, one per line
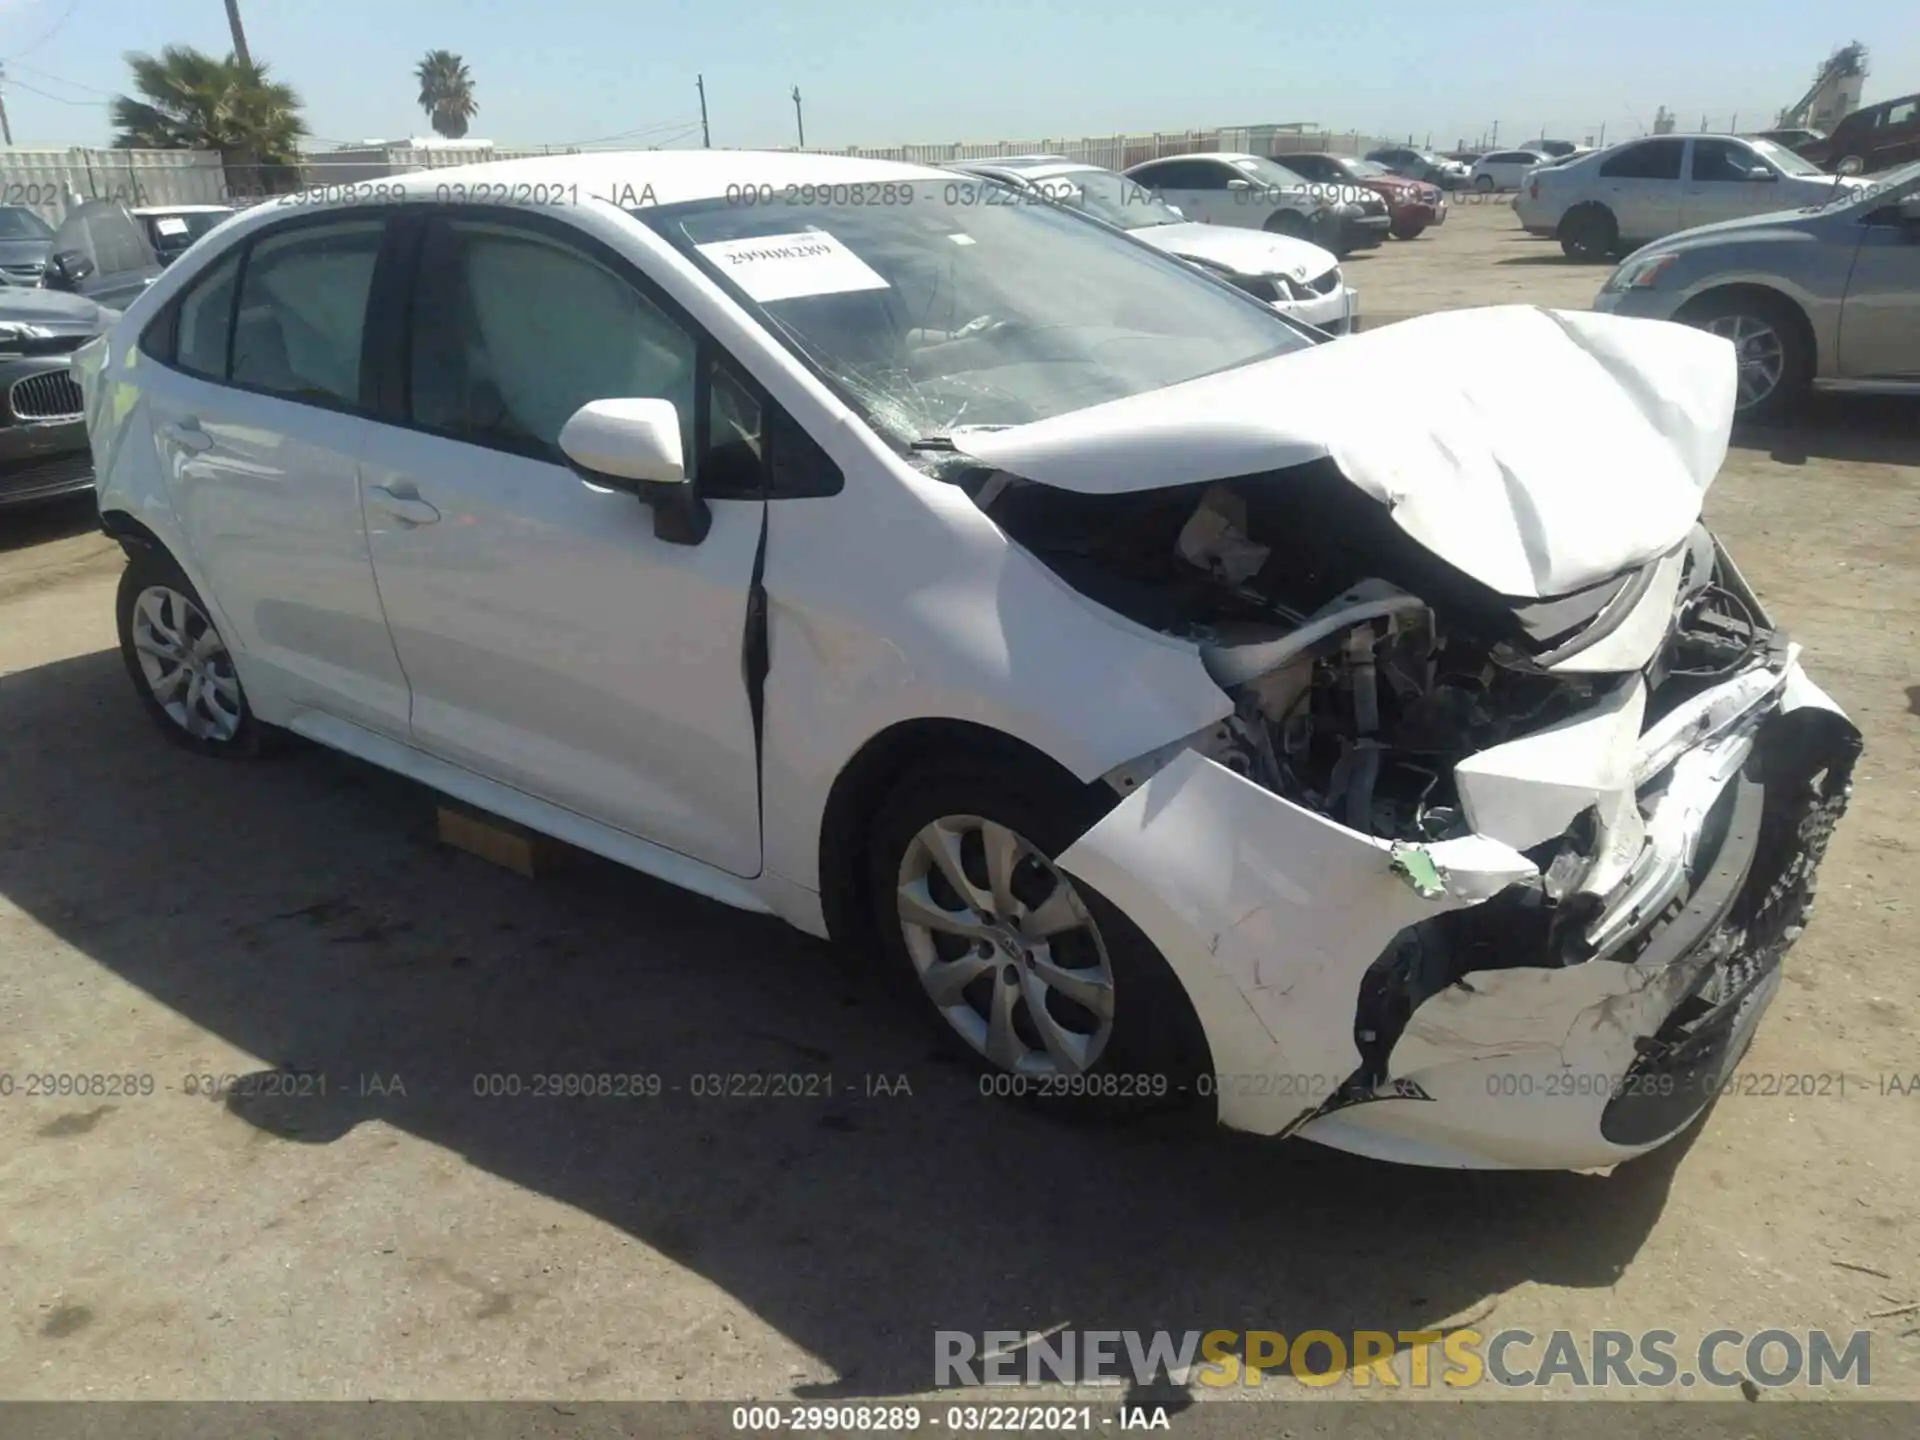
1022 162
182 210
659 177
1032 167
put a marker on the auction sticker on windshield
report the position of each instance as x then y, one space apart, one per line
786 267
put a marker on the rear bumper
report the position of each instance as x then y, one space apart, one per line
1292 934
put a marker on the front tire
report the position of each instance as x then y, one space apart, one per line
1483 184
1770 346
1289 222
181 668
1024 971
1409 231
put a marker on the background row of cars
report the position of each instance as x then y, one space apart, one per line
59 289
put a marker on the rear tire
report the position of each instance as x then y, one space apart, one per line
1048 993
180 665
1770 343
1589 233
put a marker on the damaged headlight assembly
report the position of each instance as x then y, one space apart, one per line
1609 779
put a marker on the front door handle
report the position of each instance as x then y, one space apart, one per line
407 509
186 434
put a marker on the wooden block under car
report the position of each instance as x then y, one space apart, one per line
501 841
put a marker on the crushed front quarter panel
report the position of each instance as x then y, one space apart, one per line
1272 916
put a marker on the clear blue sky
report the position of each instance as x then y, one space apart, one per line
567 71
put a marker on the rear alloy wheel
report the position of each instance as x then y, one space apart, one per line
1589 233
180 665
1775 366
1028 972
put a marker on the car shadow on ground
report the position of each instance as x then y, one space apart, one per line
22 526
1873 429
301 909
1560 259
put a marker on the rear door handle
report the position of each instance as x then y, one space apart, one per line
187 434
407 509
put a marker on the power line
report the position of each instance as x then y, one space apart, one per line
49 95
62 80
65 15
675 123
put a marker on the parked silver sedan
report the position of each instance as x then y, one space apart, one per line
1825 296
1604 204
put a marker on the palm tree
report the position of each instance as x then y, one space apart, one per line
193 101
446 92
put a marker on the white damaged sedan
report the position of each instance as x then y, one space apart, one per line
1183 724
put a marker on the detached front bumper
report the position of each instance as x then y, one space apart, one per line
1566 1035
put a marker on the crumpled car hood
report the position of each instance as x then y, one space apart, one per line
1538 451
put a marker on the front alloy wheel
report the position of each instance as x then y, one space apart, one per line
1005 947
1030 975
1761 352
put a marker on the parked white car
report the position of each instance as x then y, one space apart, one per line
1295 276
1615 200
1504 169
1252 192
1361 738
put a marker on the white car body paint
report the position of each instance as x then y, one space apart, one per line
1529 790
1271 914
899 600
1486 465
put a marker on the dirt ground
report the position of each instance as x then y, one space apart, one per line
404 1237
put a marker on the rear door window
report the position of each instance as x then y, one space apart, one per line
302 315
1649 160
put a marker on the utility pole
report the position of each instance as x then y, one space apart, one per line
6 125
239 36
700 84
799 120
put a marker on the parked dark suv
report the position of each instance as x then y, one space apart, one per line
1879 136
43 440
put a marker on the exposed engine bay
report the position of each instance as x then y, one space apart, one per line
1370 683
1362 669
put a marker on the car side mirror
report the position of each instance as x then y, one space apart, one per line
1761 172
634 446
1239 185
68 268
1852 165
